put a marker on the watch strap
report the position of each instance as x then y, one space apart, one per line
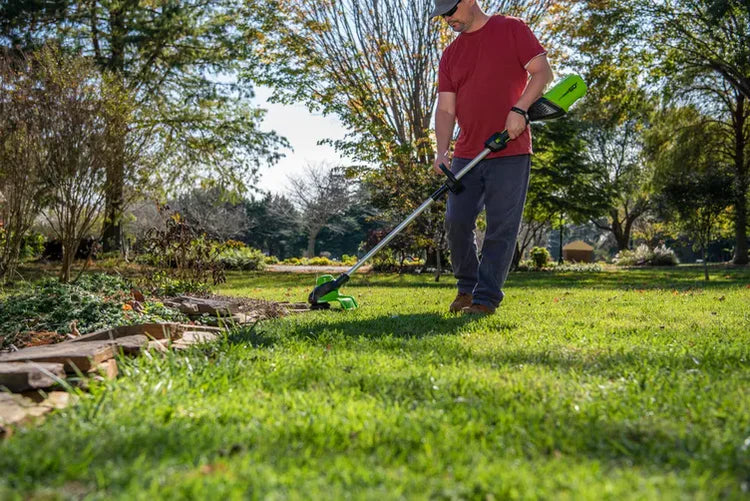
521 112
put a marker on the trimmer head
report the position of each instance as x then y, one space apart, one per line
327 291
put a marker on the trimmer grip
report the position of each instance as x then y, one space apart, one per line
453 184
498 141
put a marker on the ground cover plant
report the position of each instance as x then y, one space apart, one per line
45 312
626 384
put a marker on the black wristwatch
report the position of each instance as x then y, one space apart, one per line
521 112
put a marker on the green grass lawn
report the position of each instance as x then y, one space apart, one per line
615 385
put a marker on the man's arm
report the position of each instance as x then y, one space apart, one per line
541 74
445 121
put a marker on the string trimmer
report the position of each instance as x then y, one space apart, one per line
555 103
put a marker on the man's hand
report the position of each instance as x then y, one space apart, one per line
515 124
441 159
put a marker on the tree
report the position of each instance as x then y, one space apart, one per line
564 183
210 212
617 150
683 46
168 55
320 194
374 65
22 157
274 226
605 44
697 41
694 185
82 115
353 226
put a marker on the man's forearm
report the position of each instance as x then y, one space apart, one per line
444 124
534 89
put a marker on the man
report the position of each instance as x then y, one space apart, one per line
489 76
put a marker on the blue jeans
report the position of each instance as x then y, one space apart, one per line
499 185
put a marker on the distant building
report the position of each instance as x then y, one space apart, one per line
578 251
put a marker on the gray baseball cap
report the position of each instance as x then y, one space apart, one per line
442 6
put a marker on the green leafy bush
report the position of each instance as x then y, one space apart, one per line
96 301
271 260
320 261
180 250
32 246
348 260
242 258
292 261
162 284
540 256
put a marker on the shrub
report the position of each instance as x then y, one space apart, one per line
271 260
242 258
540 257
388 260
234 244
179 250
161 284
32 246
292 261
664 256
320 261
348 260
577 267
642 256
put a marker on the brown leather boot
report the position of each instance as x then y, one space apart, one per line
478 309
463 299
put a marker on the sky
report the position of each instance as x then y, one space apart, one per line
303 130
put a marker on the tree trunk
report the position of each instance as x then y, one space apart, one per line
740 186
622 237
705 262
112 229
516 256
560 257
310 252
312 237
69 252
438 263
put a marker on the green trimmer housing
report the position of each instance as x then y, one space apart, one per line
346 302
555 103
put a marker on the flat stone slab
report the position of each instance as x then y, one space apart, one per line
17 409
74 356
191 338
131 345
152 331
24 376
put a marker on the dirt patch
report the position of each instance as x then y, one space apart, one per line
262 308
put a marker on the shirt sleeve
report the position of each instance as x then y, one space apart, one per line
527 45
445 84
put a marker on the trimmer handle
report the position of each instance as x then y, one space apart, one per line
453 184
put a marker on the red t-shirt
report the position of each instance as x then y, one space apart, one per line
486 70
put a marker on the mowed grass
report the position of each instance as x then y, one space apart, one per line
614 385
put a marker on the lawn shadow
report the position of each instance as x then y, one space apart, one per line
409 326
